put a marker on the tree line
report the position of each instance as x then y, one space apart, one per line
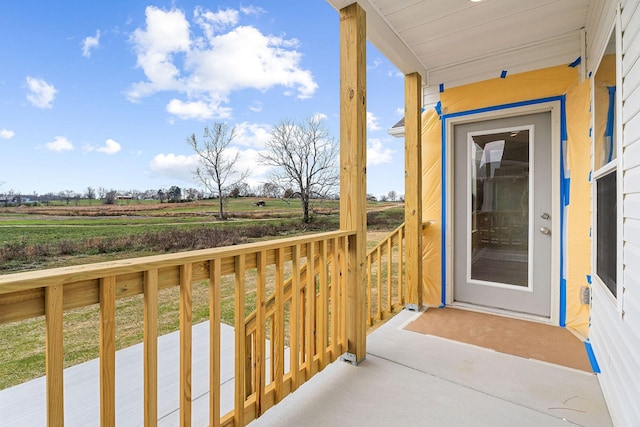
302 158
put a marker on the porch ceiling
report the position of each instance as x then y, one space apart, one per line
454 42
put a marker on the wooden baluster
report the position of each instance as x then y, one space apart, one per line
335 304
239 397
54 350
379 282
185 343
323 318
310 311
259 380
401 290
278 325
215 281
108 351
151 347
369 290
294 321
389 274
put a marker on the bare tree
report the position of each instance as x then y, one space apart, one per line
216 168
304 157
392 195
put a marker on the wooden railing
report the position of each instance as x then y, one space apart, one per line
385 273
302 323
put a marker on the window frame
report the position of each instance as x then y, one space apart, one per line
614 166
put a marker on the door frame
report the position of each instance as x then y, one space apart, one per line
555 107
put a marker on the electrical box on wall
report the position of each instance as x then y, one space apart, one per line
585 295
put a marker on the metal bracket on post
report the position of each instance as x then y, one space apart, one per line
351 358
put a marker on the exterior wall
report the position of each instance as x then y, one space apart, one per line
615 324
549 82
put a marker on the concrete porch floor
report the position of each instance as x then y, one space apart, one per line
407 379
414 379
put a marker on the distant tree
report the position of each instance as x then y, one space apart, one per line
90 193
384 198
174 194
192 194
270 189
392 195
161 195
304 156
217 169
371 197
110 197
67 195
102 193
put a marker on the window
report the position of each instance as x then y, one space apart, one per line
606 214
606 165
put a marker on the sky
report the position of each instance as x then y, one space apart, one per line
105 94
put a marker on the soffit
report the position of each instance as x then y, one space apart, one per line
453 42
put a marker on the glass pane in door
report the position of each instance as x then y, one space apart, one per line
499 217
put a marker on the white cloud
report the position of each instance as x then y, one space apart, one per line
372 122
110 147
41 94
212 22
175 166
59 144
6 134
256 106
90 43
252 134
375 64
208 68
198 110
377 153
400 111
319 116
166 33
179 166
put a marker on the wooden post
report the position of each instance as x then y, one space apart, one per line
186 317
353 172
54 350
108 351
150 351
413 189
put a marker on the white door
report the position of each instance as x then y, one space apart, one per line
502 213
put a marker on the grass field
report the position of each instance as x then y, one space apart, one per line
88 227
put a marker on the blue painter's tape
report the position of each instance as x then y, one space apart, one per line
590 231
563 302
503 74
608 133
443 218
576 62
590 73
441 87
589 176
566 191
590 132
588 278
592 357
511 105
438 108
422 110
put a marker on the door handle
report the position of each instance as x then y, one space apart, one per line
545 230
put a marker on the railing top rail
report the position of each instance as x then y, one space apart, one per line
61 275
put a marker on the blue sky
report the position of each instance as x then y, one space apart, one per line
104 94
